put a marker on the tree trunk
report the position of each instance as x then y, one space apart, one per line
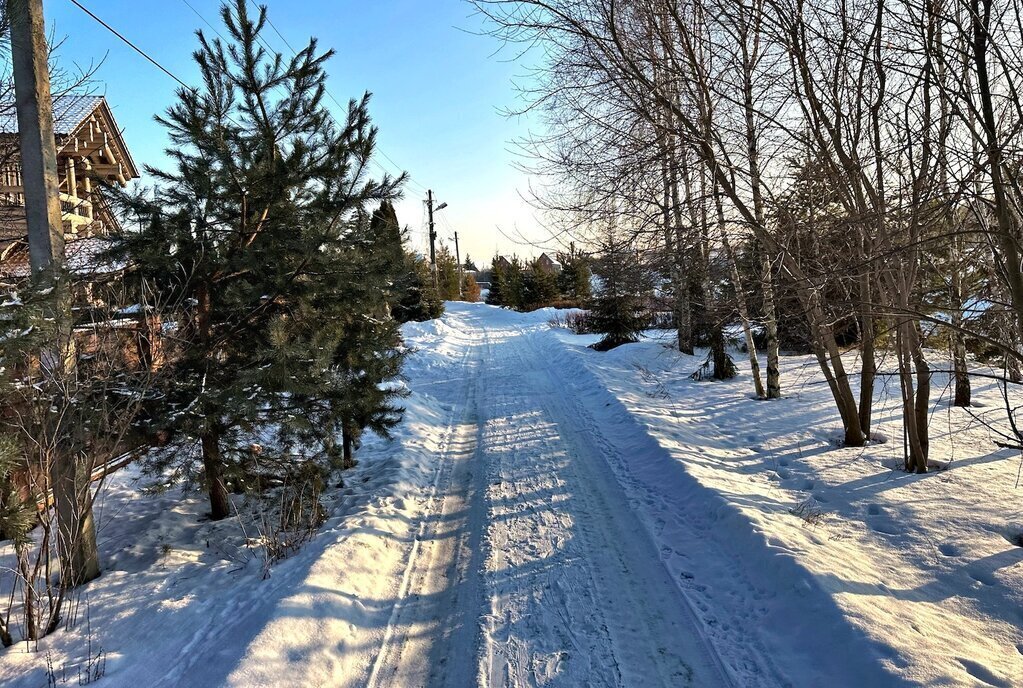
770 327
923 394
740 298
683 304
1012 366
959 364
1007 234
868 361
914 397
680 304
220 503
724 369
76 530
347 447
829 356
749 27
29 596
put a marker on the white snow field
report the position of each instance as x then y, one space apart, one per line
548 515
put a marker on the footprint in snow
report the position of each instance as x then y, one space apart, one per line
982 576
885 526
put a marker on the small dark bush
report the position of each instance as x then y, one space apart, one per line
578 322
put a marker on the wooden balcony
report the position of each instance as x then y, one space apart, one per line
76 212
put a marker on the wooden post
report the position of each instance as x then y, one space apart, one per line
35 130
458 258
70 481
433 237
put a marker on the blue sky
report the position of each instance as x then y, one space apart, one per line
438 88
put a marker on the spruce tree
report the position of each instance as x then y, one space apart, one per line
358 385
574 279
17 515
539 287
498 283
513 284
417 299
249 232
447 275
618 307
386 235
410 292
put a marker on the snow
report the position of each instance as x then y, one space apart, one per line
548 515
918 573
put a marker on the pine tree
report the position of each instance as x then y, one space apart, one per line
470 288
447 275
249 232
574 279
539 287
618 306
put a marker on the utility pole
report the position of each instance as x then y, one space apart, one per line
430 209
69 481
433 237
458 258
35 129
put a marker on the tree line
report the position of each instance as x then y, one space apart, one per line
844 173
527 286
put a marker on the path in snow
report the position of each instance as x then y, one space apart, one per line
572 591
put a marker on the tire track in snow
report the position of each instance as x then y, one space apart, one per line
579 595
433 632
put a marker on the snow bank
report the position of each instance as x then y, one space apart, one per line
805 563
182 601
854 572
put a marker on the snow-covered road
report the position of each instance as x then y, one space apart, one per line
530 567
549 515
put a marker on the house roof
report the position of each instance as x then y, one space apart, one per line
552 260
69 111
84 259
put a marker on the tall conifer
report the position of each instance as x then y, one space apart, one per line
253 230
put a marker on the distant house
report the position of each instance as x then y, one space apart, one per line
544 262
548 264
485 278
90 154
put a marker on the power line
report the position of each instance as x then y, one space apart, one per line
198 14
144 53
173 76
409 179
134 47
279 34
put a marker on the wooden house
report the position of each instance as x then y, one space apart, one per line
91 153
548 264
